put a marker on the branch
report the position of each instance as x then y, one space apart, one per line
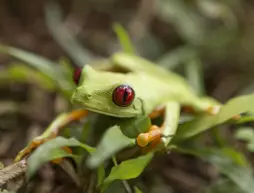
12 171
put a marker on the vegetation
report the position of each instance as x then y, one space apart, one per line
209 32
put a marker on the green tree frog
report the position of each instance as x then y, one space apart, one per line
129 86
138 88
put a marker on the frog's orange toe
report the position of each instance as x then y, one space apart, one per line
214 110
237 117
143 139
154 134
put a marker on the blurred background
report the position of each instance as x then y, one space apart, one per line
210 42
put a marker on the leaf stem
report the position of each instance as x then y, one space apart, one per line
125 183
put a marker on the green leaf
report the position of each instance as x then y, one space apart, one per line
112 141
22 73
100 175
185 20
245 133
38 62
246 119
51 69
63 36
204 122
194 75
129 169
123 38
222 186
250 147
51 150
137 190
173 58
241 176
229 162
132 127
116 186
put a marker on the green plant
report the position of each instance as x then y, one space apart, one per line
58 77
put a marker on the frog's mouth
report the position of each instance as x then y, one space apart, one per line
105 110
100 111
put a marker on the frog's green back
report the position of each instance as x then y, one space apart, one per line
138 64
166 84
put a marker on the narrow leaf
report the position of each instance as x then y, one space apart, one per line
137 190
176 57
51 150
100 175
204 122
63 36
194 75
38 62
50 69
246 134
229 162
123 38
129 169
112 141
22 73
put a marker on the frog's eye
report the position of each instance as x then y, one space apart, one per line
123 95
76 75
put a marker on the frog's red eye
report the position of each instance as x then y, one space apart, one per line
76 75
123 95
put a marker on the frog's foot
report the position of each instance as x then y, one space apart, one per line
52 132
160 135
33 145
153 135
214 110
36 143
211 110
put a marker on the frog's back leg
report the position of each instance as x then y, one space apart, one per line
202 104
207 105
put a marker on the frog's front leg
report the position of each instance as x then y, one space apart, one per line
161 134
52 132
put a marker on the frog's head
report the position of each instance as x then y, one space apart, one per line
106 93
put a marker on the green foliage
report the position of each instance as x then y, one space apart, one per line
63 36
194 75
203 122
246 134
22 73
222 186
51 150
129 169
106 148
124 39
230 163
137 190
59 75
51 75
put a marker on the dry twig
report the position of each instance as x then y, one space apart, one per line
12 171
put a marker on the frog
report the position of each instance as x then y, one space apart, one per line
129 86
